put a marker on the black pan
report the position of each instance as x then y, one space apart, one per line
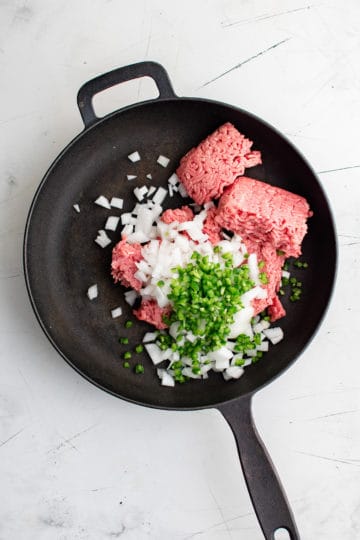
61 259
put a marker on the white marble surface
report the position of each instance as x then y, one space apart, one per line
76 463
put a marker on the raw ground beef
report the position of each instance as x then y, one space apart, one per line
211 227
260 212
179 214
273 268
207 169
123 264
149 311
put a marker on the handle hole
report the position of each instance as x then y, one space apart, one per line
282 534
123 94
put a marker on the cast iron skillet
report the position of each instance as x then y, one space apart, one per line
61 259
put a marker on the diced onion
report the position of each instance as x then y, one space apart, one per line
160 195
275 335
92 292
149 176
149 336
112 223
117 312
76 208
116 202
234 372
131 176
130 297
102 201
285 274
174 179
102 239
155 353
167 379
134 156
163 161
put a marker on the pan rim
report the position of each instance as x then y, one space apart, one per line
32 208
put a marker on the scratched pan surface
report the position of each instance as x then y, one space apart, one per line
62 260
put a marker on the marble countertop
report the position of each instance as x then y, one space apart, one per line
77 463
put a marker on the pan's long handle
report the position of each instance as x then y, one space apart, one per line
117 76
267 495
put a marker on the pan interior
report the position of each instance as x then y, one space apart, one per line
62 260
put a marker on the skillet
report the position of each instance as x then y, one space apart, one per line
61 259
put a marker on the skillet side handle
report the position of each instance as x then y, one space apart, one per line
127 73
266 493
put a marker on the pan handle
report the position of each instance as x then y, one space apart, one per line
267 495
117 76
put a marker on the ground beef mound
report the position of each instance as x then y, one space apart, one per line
260 212
207 169
123 264
179 214
150 312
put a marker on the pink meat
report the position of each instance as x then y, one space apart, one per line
207 169
151 312
211 227
273 268
179 214
123 264
268 214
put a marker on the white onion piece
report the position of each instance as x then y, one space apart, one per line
134 156
253 268
102 201
130 297
76 208
221 354
263 347
241 324
131 176
140 276
116 202
112 223
102 239
92 292
260 326
274 334
170 190
137 238
174 179
155 353
167 379
149 336
126 218
285 274
152 190
149 176
127 230
140 192
234 372
160 195
187 372
144 220
116 312
221 364
163 161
